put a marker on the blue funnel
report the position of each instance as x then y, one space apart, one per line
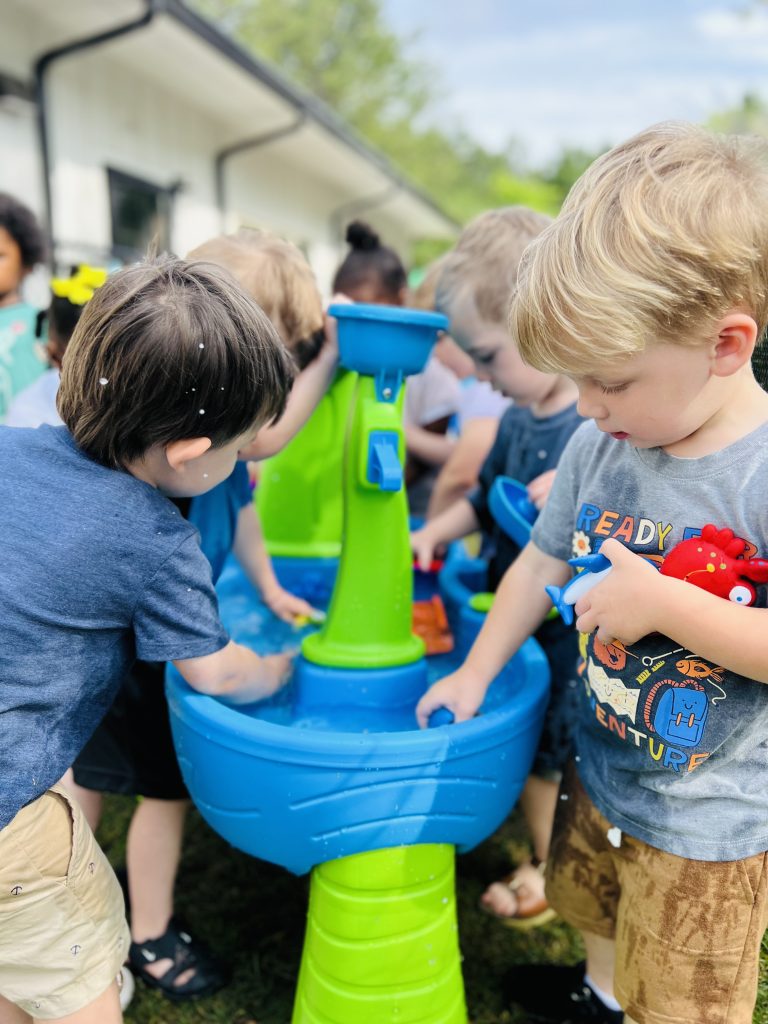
512 509
369 345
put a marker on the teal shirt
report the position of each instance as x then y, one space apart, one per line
20 363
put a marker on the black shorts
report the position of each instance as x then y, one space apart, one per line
132 751
561 647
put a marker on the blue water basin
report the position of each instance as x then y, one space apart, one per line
300 781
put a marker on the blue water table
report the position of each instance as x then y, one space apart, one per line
333 775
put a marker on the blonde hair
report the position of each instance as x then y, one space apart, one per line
424 295
276 274
485 260
657 241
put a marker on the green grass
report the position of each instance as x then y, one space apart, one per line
253 914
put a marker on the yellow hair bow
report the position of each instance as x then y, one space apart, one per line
79 288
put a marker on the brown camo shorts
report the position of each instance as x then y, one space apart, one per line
687 932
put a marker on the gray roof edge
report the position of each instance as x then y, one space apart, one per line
313 108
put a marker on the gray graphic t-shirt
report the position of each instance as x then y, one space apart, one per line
672 748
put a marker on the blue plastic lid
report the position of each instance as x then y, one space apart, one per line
389 314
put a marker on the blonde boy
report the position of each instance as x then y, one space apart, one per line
650 290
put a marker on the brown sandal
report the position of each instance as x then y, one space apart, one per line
533 916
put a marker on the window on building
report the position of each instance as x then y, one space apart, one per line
141 215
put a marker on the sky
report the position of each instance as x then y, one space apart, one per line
555 73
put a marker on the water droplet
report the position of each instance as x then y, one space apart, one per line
201 345
444 899
563 796
222 389
202 412
577 759
103 381
193 389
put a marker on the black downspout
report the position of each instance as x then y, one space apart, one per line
41 67
255 142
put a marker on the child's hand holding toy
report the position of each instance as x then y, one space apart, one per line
423 545
627 603
288 607
461 693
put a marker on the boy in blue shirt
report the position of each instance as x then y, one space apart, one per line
172 370
650 291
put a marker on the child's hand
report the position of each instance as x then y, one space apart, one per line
278 669
330 349
461 692
287 606
538 489
625 605
423 545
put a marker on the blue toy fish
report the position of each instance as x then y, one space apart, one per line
594 569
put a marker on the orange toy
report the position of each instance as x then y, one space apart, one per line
431 624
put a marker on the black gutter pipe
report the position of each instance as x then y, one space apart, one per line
42 64
254 142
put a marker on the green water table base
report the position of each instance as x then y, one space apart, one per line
382 941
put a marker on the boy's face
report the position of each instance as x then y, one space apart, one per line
656 398
12 273
495 356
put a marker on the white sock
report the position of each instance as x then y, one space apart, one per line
608 1001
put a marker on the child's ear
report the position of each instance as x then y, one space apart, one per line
736 338
179 453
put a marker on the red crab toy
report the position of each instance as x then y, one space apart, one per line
712 562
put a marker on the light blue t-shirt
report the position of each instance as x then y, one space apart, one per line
98 568
215 514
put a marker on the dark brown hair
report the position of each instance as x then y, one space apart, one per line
168 350
370 262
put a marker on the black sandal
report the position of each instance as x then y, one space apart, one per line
187 954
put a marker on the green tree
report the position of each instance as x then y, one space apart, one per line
342 52
749 118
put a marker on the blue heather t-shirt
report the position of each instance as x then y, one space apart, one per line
98 568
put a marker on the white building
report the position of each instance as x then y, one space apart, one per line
123 119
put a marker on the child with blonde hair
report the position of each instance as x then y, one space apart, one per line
473 290
650 290
132 750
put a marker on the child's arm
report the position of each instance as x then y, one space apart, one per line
519 607
308 389
457 521
236 674
251 553
427 445
635 600
459 474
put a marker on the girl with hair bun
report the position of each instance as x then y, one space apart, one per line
370 272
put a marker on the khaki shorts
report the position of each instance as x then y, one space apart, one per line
63 935
687 932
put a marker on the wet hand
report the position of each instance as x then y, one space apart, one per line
423 546
460 692
625 605
278 669
288 607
